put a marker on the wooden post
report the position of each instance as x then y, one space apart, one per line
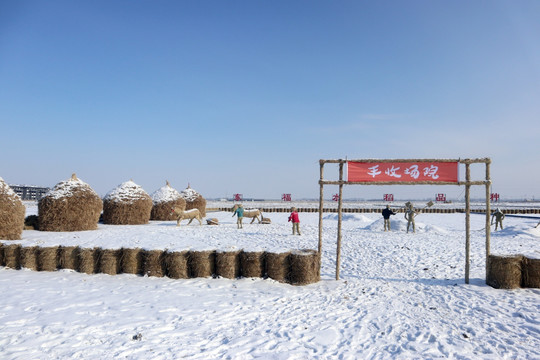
340 205
321 163
488 213
467 221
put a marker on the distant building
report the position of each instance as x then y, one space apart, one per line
29 192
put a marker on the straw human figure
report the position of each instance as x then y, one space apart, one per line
409 215
498 215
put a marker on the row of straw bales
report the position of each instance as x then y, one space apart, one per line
511 272
299 267
72 205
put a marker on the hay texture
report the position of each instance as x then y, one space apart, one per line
88 260
266 220
154 264
228 264
305 267
71 205
504 272
29 258
131 261
12 213
202 263
194 200
177 264
127 204
48 258
12 256
163 200
68 257
531 273
109 261
212 221
277 266
252 263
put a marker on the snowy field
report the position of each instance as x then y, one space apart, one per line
400 296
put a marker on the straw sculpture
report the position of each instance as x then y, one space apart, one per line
68 257
202 263
163 200
12 256
12 213
154 264
109 261
266 220
531 273
127 204
48 258
177 264
71 205
31 222
131 261
212 221
504 272
252 263
305 267
29 258
277 266
88 260
194 200
228 264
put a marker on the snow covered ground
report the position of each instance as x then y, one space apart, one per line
400 295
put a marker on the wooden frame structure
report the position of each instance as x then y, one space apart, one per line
467 183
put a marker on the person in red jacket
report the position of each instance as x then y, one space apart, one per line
295 221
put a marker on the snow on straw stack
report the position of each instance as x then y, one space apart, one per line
163 200
194 200
71 205
12 213
127 204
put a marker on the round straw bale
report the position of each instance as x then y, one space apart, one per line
12 213
109 261
212 221
177 264
504 272
71 205
305 267
531 273
277 266
202 263
252 263
12 256
48 258
154 264
68 257
194 200
29 257
132 261
228 264
163 200
88 260
31 222
127 204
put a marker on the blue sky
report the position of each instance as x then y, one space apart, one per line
247 96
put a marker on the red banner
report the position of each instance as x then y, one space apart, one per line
402 171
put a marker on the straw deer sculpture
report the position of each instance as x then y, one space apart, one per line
182 214
250 213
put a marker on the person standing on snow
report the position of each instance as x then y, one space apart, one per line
499 216
295 221
239 212
386 213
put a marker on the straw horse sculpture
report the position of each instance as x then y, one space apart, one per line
250 213
182 214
